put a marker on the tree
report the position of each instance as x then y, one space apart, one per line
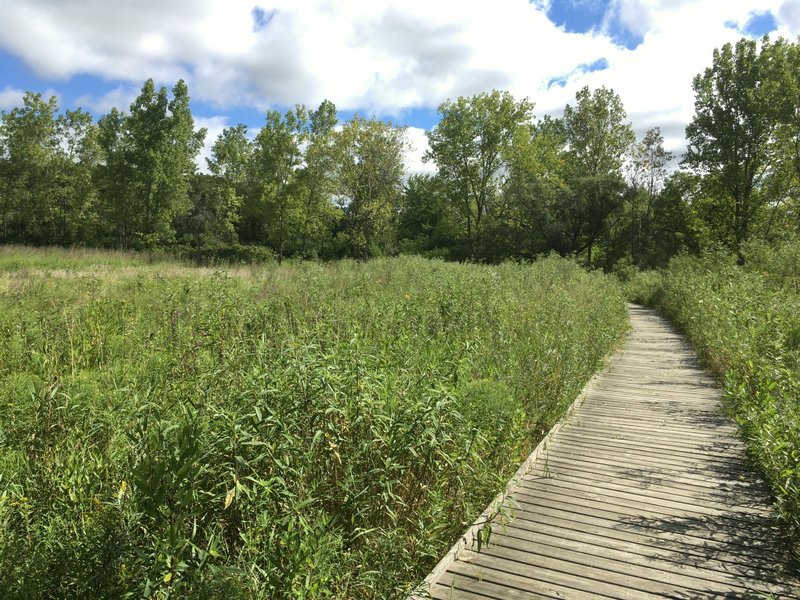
732 134
368 170
598 140
597 134
228 165
426 221
648 172
30 149
149 165
184 144
783 186
317 176
77 159
147 128
674 226
536 188
275 163
114 180
471 145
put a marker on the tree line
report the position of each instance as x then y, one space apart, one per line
507 184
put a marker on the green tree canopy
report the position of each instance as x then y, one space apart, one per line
368 180
149 164
471 147
597 133
738 102
276 159
30 144
598 139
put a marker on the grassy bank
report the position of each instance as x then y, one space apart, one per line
287 431
745 322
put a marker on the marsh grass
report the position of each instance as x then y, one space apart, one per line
295 431
17 258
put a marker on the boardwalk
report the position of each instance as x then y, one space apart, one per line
641 493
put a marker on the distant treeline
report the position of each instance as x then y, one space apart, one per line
508 185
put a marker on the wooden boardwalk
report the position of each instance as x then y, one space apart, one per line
642 492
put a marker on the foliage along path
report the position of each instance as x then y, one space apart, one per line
642 492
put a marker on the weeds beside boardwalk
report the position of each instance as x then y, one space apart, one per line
299 431
745 322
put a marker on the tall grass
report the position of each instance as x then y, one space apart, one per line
746 324
295 431
16 258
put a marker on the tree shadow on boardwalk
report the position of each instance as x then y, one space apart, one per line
750 547
737 490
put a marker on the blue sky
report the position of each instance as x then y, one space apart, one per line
392 60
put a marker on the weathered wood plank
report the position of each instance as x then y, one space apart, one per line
692 534
642 491
670 483
694 551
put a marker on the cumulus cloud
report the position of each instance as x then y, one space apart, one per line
383 57
417 146
789 14
10 98
119 97
359 53
214 126
654 80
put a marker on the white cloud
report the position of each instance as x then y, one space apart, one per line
119 97
415 150
379 56
655 80
214 126
789 14
10 98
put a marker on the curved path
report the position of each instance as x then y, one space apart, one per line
642 492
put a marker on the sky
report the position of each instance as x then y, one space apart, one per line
393 60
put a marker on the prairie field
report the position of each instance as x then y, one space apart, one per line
302 430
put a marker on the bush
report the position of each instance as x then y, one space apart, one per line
227 254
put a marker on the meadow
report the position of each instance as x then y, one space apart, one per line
745 324
301 430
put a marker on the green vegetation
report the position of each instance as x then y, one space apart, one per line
508 185
307 430
296 430
745 324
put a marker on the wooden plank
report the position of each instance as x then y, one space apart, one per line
666 440
564 576
662 433
678 485
584 571
663 492
642 463
621 418
690 533
710 554
619 557
473 579
639 504
657 449
639 457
